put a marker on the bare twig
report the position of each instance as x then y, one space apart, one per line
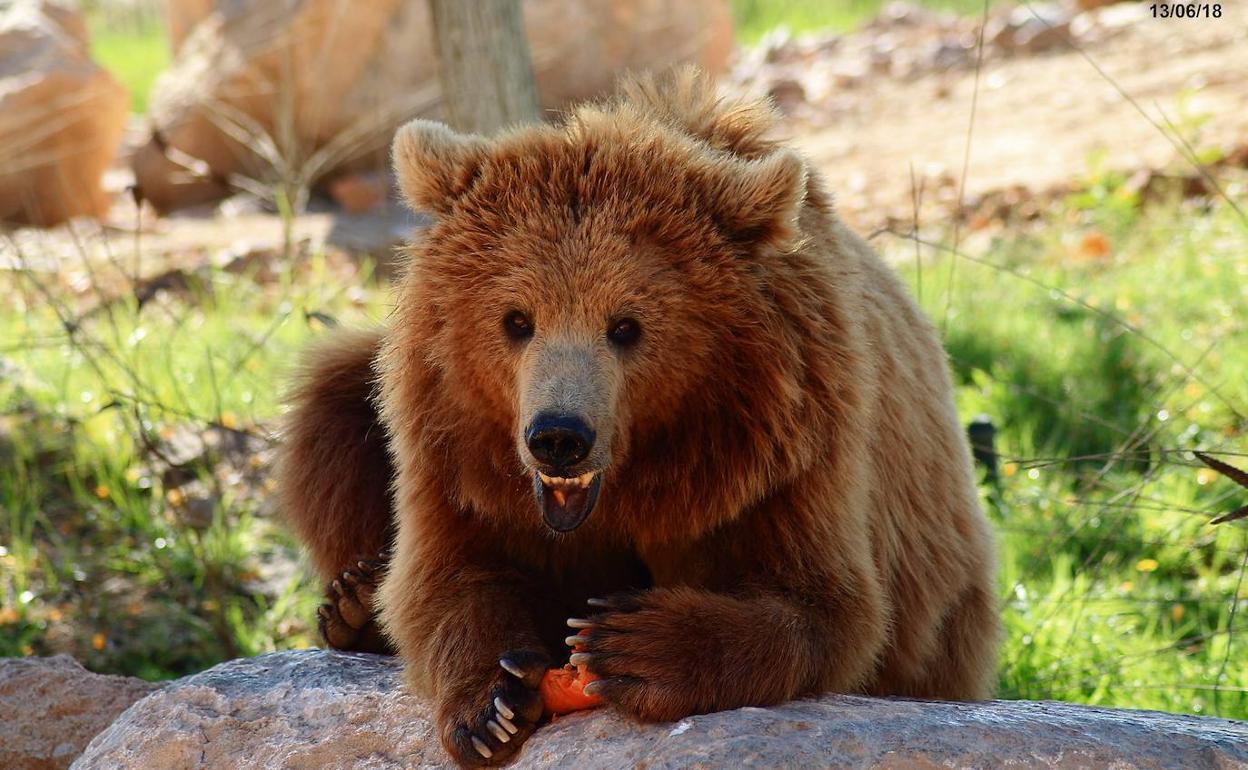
1232 473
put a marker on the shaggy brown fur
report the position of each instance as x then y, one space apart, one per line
787 505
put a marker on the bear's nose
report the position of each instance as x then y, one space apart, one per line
559 440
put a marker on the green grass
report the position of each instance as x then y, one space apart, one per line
755 18
1118 591
117 543
135 50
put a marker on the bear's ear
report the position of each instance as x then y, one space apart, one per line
758 201
435 165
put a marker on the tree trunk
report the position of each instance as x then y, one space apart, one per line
485 70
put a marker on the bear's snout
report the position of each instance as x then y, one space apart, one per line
566 426
559 441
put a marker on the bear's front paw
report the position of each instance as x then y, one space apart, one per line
487 726
643 654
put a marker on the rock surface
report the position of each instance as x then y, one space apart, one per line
50 708
61 116
293 709
323 709
318 86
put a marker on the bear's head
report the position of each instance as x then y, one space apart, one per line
598 318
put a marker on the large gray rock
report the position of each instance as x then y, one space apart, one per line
330 710
50 708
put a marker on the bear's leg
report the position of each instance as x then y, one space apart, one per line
964 666
465 622
334 480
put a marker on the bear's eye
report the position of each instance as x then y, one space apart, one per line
517 325
624 332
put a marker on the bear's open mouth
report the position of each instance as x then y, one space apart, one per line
566 502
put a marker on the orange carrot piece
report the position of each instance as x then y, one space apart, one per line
561 690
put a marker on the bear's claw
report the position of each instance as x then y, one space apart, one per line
511 668
499 733
481 748
501 706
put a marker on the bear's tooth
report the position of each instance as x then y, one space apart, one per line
585 478
545 479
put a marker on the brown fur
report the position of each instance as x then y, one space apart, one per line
787 490
335 472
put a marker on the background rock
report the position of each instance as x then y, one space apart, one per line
324 709
311 87
61 116
50 708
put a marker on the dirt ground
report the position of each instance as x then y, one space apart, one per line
879 105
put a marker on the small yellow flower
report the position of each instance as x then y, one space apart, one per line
1010 469
1177 612
229 420
1147 565
102 491
8 615
27 650
175 497
1205 476
1127 586
98 641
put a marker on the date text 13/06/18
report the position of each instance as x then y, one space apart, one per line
1187 10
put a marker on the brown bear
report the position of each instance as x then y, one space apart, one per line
642 382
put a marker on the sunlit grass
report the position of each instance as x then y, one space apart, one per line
1117 589
755 18
103 556
134 49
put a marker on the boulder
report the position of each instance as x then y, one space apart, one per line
308 88
339 710
50 708
61 116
